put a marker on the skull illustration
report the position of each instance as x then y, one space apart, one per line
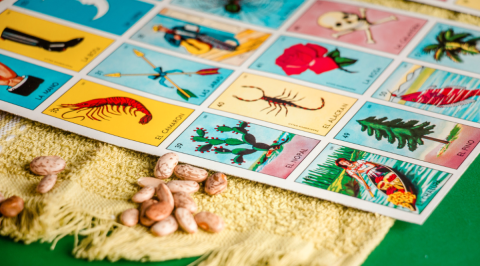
339 21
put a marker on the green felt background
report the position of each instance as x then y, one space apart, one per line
450 236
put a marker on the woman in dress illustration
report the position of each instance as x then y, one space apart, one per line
398 189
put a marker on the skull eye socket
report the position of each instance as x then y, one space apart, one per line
338 24
346 16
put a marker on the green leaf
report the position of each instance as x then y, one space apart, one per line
200 139
439 54
344 62
333 54
231 141
200 132
430 48
454 56
441 37
459 37
448 34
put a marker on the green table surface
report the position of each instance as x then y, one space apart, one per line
449 237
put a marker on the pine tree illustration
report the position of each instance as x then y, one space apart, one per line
409 132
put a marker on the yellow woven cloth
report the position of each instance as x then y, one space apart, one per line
265 225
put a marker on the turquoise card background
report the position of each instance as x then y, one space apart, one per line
121 15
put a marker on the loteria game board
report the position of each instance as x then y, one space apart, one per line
370 107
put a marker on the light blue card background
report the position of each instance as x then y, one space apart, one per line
124 60
440 79
52 82
121 14
368 67
209 122
267 13
354 134
470 62
146 34
424 179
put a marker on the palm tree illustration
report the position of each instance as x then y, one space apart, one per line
453 45
409 133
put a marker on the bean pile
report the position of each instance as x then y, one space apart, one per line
174 207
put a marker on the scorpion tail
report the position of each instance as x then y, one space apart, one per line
253 87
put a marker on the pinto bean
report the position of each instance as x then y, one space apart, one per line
183 200
185 220
159 211
216 184
164 194
165 165
12 206
183 185
165 226
143 194
149 182
46 184
47 165
143 218
188 172
129 217
209 222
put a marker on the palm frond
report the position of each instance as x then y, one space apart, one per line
448 34
458 37
454 56
441 37
439 54
430 48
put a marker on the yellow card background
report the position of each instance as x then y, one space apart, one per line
316 122
164 116
74 58
469 3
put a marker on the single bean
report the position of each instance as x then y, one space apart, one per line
46 184
47 165
159 211
216 184
209 222
129 217
12 206
183 200
188 172
185 220
164 194
143 194
143 218
149 182
165 226
183 185
165 165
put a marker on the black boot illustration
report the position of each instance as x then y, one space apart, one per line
23 38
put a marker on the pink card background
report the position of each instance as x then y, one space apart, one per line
390 37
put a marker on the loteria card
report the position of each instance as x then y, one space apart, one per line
245 145
118 113
323 64
160 74
371 177
49 42
113 16
27 85
367 27
411 135
266 13
284 103
450 46
201 37
433 90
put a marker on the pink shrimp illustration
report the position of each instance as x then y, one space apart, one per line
97 107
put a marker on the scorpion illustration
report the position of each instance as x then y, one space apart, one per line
279 101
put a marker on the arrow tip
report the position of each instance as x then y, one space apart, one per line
138 53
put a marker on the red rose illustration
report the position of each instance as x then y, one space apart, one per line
298 58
